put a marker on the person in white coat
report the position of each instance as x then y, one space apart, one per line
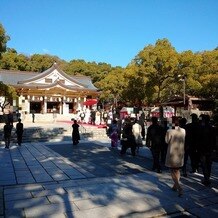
175 138
137 130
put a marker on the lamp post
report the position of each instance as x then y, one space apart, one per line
184 89
183 79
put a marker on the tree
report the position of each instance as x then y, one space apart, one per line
208 74
3 39
112 85
209 86
40 63
7 93
11 60
188 69
134 90
92 69
159 65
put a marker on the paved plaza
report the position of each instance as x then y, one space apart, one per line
91 180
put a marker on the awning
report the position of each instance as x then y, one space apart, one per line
90 102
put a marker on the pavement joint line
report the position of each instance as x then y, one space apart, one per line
193 187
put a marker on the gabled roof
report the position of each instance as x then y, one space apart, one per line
52 85
11 77
29 79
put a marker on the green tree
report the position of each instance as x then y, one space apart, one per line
159 65
188 69
135 83
8 93
3 39
209 86
92 69
11 60
208 74
40 63
112 85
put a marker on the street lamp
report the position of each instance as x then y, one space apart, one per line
183 78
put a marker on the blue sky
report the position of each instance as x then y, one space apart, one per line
110 31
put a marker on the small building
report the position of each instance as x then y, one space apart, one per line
50 91
185 107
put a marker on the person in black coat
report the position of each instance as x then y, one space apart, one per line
155 140
183 122
192 142
128 139
207 143
75 133
7 134
19 131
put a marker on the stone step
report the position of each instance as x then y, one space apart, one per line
34 134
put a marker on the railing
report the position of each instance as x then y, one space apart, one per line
82 129
85 133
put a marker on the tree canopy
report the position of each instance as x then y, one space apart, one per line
158 64
155 74
3 39
8 92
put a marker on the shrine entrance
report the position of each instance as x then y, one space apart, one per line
53 107
35 107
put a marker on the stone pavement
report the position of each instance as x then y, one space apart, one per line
92 180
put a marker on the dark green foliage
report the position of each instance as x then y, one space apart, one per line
153 76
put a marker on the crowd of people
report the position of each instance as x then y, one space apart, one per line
170 146
93 116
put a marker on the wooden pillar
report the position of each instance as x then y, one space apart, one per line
45 104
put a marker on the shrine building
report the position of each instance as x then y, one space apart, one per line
50 91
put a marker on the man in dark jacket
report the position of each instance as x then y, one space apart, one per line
19 131
207 143
128 139
7 134
155 141
192 142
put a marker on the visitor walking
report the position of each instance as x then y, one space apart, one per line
142 123
207 144
113 133
7 134
155 141
137 130
97 118
75 133
175 138
93 116
163 152
192 142
33 116
82 116
19 132
183 122
128 139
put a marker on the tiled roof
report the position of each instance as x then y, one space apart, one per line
12 77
